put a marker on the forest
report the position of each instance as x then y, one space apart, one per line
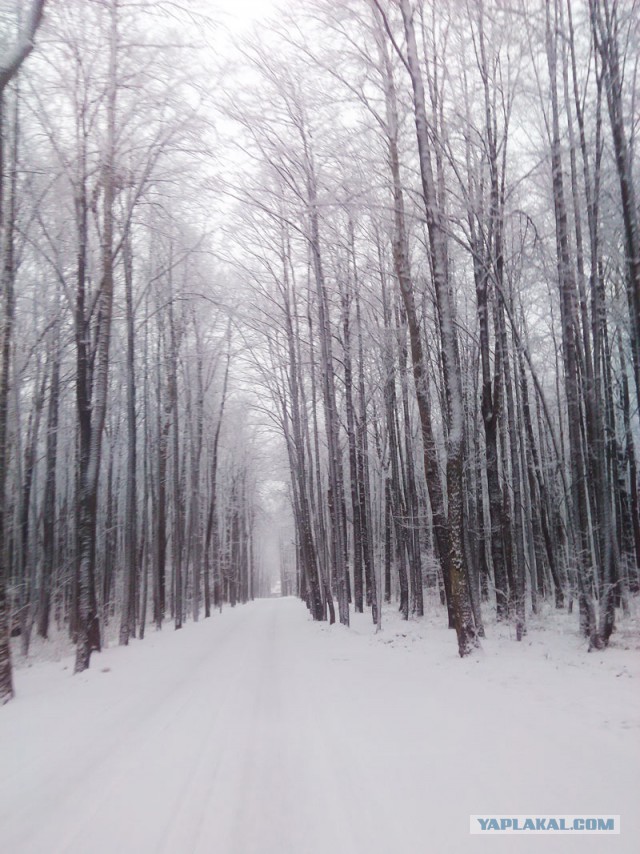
342 303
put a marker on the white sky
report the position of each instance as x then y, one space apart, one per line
242 13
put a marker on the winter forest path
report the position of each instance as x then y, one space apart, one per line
259 732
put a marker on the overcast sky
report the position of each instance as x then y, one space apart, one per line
241 13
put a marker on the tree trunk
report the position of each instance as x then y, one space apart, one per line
454 554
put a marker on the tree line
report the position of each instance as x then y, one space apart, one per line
443 232
403 233
128 489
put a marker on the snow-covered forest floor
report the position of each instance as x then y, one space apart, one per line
261 732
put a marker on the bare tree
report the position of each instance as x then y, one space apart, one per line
8 70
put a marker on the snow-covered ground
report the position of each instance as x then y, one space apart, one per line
260 732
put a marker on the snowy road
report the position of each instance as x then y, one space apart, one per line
258 732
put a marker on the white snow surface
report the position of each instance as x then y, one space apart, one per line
260 732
